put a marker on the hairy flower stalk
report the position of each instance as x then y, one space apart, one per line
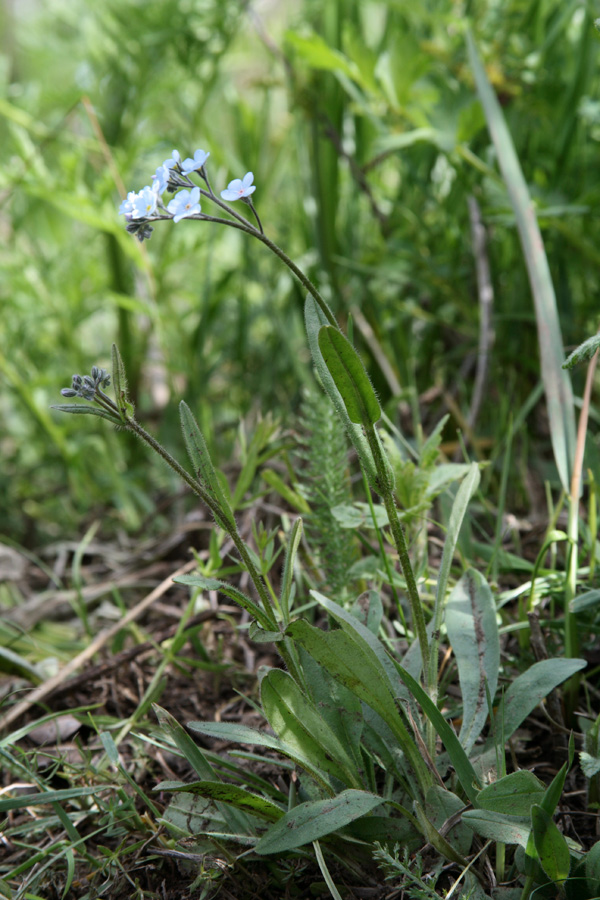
89 387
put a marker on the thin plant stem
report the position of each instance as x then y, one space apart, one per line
387 494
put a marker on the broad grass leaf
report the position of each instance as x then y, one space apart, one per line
312 821
231 794
295 719
514 794
551 847
473 633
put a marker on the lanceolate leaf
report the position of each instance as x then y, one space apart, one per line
78 409
242 734
514 794
212 584
552 850
559 396
296 720
473 633
288 569
358 669
583 353
235 819
203 467
526 691
314 320
227 793
346 369
498 826
311 821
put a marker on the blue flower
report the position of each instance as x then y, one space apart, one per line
126 207
174 162
144 203
192 165
239 188
161 178
185 203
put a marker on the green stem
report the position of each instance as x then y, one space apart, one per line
387 494
208 501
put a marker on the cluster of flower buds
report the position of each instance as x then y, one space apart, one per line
86 385
147 205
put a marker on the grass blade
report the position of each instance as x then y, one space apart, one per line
557 386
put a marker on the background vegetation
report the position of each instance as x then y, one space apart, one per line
362 125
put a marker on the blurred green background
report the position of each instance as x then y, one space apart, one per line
362 127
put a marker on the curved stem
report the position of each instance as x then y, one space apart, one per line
235 536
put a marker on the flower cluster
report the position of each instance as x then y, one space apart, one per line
146 205
86 385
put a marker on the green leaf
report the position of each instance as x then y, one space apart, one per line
590 599
514 794
460 761
498 827
312 821
288 570
583 353
14 664
203 467
473 633
230 731
530 688
440 805
119 377
294 718
234 593
231 794
358 669
552 850
341 709
314 320
592 868
459 508
557 386
78 409
235 819
42 797
350 377
315 52
284 490
590 765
